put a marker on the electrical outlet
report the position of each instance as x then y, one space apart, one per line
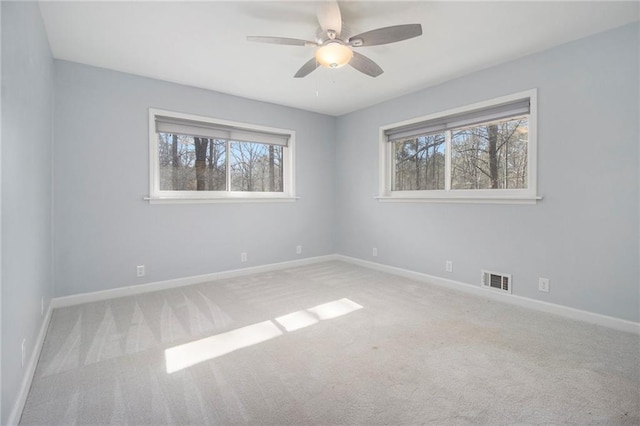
449 266
243 257
375 252
543 285
140 271
298 249
23 356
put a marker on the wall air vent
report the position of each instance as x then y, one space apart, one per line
496 281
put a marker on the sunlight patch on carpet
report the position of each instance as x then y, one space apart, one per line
301 319
183 356
192 353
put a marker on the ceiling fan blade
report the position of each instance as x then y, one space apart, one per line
329 16
365 65
307 68
281 40
386 35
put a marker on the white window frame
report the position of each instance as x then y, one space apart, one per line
157 196
506 196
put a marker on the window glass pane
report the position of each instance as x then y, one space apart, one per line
190 163
256 167
490 156
419 163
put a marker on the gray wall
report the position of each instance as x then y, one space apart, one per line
104 229
583 235
27 84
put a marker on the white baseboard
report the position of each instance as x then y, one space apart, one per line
564 311
96 296
538 305
27 378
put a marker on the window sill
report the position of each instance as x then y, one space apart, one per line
168 200
461 199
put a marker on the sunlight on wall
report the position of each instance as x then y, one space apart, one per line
180 357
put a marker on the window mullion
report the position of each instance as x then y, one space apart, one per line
447 160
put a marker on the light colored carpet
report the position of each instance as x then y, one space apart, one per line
294 347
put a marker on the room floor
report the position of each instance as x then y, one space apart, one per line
330 343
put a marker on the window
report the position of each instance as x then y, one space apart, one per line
198 159
484 152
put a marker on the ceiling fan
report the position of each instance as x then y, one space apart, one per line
334 45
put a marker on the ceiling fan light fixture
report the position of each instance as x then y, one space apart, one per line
334 55
333 42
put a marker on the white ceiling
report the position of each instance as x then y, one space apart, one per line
203 44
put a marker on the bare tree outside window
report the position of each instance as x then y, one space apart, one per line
217 165
490 156
189 163
256 167
198 159
420 163
480 153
